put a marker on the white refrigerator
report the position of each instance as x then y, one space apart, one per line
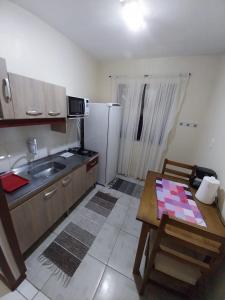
102 134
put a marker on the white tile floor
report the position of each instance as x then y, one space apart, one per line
106 270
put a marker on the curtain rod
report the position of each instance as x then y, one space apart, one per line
147 75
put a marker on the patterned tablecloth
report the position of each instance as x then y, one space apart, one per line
176 199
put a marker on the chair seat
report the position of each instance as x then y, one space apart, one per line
177 269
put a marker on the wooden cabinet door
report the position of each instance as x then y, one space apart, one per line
6 105
91 177
78 183
35 216
55 96
28 97
30 220
67 189
55 203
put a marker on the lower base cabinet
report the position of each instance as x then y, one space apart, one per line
35 216
91 176
78 183
67 190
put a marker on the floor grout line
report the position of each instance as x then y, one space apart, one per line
120 273
99 283
22 295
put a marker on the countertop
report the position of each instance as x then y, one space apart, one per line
38 184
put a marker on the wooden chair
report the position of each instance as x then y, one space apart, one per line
182 253
185 171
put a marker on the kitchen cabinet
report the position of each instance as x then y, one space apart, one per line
6 106
28 97
35 216
91 176
78 183
55 99
67 190
36 99
91 173
31 220
53 198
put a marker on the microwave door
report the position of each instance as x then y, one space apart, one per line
81 107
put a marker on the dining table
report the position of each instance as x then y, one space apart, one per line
148 215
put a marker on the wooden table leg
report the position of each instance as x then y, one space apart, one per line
140 249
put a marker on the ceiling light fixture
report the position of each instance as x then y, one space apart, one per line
133 14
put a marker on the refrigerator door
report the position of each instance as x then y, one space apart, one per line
115 116
95 135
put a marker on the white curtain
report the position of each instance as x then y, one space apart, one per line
162 103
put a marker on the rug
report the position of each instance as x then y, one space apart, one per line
64 255
127 187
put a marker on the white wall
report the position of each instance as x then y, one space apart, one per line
204 71
211 147
34 49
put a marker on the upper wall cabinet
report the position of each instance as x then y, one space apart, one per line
36 99
6 106
55 100
28 97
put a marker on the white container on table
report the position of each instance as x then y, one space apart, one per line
207 190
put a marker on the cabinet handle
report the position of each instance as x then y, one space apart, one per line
50 194
6 90
65 182
53 114
33 113
92 164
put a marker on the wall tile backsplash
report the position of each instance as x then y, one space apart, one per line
13 146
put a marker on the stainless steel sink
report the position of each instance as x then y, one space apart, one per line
47 169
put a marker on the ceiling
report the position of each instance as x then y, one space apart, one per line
174 27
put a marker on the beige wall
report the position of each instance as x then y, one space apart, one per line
204 71
211 153
211 146
34 49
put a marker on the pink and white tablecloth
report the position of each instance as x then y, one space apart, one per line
176 199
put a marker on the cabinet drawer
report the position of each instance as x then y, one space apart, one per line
91 164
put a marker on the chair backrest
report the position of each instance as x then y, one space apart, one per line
182 170
190 244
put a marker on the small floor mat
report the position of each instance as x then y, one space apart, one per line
102 203
127 187
64 255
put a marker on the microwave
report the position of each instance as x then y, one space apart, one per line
77 107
